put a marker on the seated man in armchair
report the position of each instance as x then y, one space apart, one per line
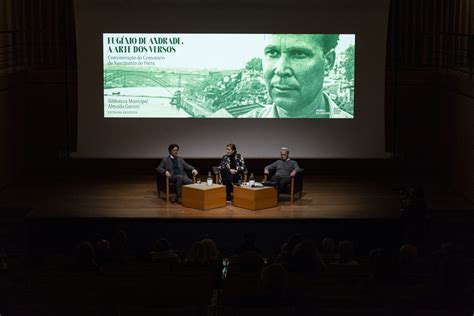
174 167
282 170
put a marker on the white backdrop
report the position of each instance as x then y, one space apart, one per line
361 137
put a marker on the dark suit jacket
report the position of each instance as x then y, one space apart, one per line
167 165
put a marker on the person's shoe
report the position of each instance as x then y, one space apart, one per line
173 200
179 201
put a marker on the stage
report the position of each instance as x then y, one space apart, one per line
132 196
64 210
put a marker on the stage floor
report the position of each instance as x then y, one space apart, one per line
324 197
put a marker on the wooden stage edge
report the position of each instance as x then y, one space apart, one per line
135 197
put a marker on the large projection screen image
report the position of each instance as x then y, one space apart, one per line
163 75
262 75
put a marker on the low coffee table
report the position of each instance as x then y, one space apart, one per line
255 198
204 197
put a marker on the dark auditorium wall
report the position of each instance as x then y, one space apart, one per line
37 84
48 108
435 130
13 129
429 100
12 102
430 88
458 133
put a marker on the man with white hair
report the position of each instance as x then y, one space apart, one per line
282 170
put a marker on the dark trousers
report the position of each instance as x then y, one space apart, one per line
281 182
228 179
179 180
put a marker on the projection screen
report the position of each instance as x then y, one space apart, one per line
203 75
229 75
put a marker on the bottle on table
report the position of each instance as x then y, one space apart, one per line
209 179
251 180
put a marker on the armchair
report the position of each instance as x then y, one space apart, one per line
294 187
164 185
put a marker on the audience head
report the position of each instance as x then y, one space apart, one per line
346 251
162 245
306 249
85 251
408 254
211 249
198 254
102 251
328 245
294 240
102 246
306 258
85 257
163 253
205 236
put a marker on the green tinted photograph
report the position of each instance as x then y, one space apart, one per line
229 75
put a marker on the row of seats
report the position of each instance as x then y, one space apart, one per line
151 289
